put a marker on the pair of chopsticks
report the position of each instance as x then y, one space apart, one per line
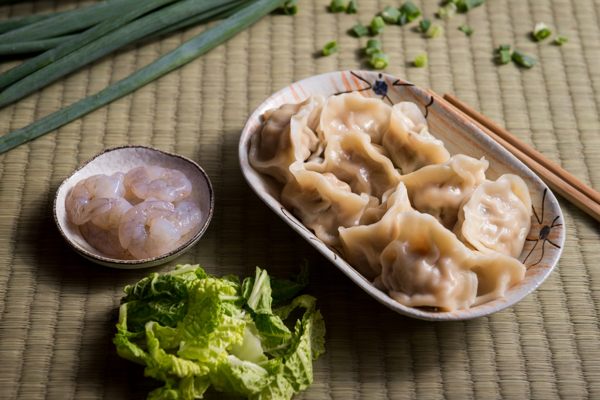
559 180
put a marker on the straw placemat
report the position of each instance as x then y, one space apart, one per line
57 311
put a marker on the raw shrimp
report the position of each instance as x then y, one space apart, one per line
159 183
188 216
94 196
106 241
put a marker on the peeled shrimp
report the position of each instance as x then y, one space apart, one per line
94 196
107 241
159 183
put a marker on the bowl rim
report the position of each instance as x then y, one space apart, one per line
346 268
145 262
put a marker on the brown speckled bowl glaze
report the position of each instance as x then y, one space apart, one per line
545 240
122 159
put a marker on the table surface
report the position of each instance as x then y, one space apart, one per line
57 310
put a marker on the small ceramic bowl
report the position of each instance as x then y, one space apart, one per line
123 159
460 135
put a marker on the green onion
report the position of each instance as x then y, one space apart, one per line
434 31
337 6
390 15
377 25
503 54
560 40
182 55
141 27
330 48
289 8
466 29
379 60
19 22
35 46
523 59
421 60
352 7
448 11
408 13
466 5
359 30
424 25
541 31
373 46
129 13
66 22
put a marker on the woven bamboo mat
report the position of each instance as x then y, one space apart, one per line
57 311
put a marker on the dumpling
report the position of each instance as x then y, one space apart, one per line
351 157
353 112
425 265
409 142
362 245
287 135
440 189
323 202
497 216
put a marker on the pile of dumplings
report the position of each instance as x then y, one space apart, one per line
371 181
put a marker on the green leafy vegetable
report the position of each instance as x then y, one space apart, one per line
379 60
421 61
329 48
447 11
424 25
523 60
503 54
541 31
560 40
337 6
352 7
390 15
466 29
359 30
377 25
192 330
408 13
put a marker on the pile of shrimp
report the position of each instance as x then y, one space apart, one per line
141 214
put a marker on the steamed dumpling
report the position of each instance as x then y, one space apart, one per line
323 202
440 189
363 244
497 216
287 135
353 112
409 142
352 158
425 265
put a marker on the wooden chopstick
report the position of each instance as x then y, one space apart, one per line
559 180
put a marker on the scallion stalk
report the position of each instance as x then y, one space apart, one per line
359 30
182 55
35 46
503 54
377 25
329 48
540 31
379 60
352 7
560 40
448 11
337 6
523 60
466 29
408 12
135 30
390 15
421 60
19 22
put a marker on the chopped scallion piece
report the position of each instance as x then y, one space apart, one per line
337 6
503 54
330 48
377 25
379 60
352 7
465 5
373 46
448 11
466 29
523 59
290 7
421 60
359 30
390 15
434 31
560 40
408 13
541 31
424 25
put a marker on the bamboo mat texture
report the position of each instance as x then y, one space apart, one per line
57 310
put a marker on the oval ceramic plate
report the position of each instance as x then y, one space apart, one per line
545 240
123 159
